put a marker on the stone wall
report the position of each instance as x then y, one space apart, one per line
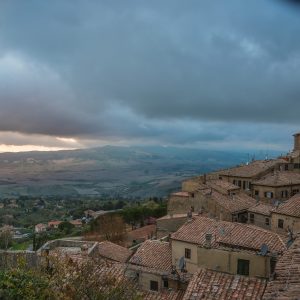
11 259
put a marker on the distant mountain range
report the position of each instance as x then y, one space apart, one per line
109 171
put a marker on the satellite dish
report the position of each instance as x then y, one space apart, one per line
222 231
181 263
264 249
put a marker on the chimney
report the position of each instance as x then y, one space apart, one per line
297 141
204 179
208 238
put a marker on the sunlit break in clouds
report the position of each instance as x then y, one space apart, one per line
205 74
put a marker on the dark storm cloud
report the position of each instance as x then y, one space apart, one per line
174 71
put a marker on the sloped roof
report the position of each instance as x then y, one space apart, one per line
228 234
153 254
262 209
290 208
163 295
113 251
233 203
287 281
253 169
208 284
223 184
279 178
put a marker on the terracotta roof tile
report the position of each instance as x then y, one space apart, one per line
163 295
260 208
279 178
233 203
153 254
290 208
253 169
208 284
223 184
228 234
144 232
287 281
113 251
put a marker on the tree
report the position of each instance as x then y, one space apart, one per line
5 237
23 284
94 279
65 226
109 226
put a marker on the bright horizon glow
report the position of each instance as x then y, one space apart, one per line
26 148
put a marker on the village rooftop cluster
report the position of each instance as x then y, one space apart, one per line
231 234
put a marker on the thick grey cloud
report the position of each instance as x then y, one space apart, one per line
162 71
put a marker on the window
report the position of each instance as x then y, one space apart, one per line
239 183
251 218
284 194
244 185
286 167
269 195
234 181
166 283
267 221
294 192
153 285
296 166
187 253
220 177
280 223
243 267
256 192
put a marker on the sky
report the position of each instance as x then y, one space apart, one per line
206 74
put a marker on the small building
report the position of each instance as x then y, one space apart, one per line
286 280
286 217
280 185
38 228
208 284
260 215
228 247
151 265
54 224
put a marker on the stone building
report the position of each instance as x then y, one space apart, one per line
260 215
151 265
228 247
280 185
286 217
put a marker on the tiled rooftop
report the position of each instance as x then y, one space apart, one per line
290 208
153 254
279 178
233 203
253 169
144 232
287 281
207 284
163 295
260 208
223 184
114 252
228 234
